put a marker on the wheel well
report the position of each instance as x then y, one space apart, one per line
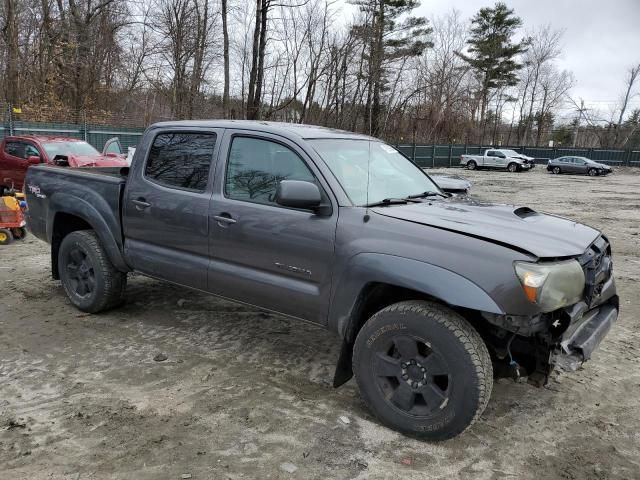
63 225
373 298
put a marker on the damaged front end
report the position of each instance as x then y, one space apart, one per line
564 338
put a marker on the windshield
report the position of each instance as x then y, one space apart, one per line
510 153
69 148
391 175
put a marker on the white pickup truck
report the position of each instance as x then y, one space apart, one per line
498 158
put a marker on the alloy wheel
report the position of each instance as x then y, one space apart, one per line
412 376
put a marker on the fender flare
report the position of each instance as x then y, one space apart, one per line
81 208
365 269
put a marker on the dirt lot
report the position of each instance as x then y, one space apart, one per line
244 394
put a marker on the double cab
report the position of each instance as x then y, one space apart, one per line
429 294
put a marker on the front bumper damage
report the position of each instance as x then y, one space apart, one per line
565 338
583 336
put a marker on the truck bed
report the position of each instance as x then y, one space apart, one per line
95 192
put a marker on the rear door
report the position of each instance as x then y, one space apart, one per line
166 204
262 253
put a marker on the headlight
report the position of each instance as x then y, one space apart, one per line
551 285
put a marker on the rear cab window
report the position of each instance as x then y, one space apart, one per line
181 160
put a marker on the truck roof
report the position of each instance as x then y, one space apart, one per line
280 128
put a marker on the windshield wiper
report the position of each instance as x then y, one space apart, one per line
425 194
389 201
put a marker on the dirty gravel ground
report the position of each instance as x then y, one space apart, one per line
244 394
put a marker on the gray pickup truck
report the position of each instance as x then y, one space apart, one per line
430 295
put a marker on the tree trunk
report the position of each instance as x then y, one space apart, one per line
253 74
225 54
10 34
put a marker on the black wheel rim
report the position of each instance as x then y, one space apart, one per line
412 377
80 272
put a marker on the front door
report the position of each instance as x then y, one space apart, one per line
490 158
14 167
166 206
261 253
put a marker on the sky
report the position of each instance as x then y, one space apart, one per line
601 40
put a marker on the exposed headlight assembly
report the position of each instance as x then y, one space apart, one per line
551 285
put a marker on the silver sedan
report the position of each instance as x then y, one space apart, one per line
577 165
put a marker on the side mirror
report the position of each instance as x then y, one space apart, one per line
298 194
33 160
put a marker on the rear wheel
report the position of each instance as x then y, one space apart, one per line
592 172
19 233
5 236
556 170
512 167
423 369
472 165
88 277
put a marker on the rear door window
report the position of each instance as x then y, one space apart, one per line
181 160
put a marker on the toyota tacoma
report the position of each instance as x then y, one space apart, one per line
430 295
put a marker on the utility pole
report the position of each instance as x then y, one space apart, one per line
581 111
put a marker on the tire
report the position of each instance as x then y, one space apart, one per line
592 172
512 167
88 277
19 233
396 350
556 170
5 236
472 165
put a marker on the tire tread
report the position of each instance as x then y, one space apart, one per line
115 281
469 338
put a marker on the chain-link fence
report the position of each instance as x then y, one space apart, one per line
93 126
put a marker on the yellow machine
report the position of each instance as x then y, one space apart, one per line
12 223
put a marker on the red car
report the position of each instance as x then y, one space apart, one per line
20 152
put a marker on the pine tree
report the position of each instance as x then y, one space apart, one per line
389 35
492 53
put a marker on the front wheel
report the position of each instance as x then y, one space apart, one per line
19 233
423 369
88 277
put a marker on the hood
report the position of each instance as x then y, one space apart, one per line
542 235
451 183
79 161
522 157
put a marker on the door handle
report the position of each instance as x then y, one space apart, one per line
225 218
141 204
